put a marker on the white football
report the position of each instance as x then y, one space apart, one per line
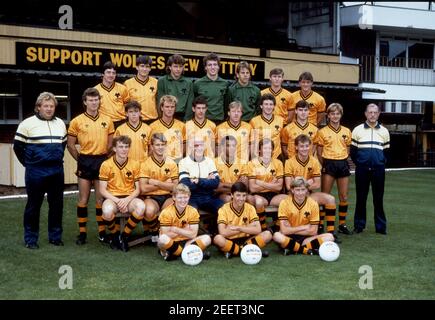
192 255
251 254
329 251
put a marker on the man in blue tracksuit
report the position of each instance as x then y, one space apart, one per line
370 142
39 145
199 173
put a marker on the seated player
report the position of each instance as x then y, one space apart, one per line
298 218
119 186
179 224
159 175
265 181
200 175
307 166
238 224
231 169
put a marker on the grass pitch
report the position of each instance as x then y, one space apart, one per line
402 263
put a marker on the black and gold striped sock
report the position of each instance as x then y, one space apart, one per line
342 212
231 247
173 248
315 244
133 220
82 219
257 240
262 217
111 225
322 215
330 217
100 222
154 224
200 244
294 246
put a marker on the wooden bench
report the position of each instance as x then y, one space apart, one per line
135 240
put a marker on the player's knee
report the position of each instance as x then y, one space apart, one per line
277 237
139 207
219 240
206 239
327 237
267 236
163 240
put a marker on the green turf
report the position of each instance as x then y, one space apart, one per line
403 262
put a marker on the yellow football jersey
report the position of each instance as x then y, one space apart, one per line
294 167
271 129
334 142
292 130
299 214
140 137
242 134
230 172
228 215
120 178
258 170
284 102
205 131
92 133
315 101
113 100
144 92
175 134
162 171
170 217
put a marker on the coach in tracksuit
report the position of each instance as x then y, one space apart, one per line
370 141
39 144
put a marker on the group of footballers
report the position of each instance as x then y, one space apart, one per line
163 163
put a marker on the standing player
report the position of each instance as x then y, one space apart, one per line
159 176
231 169
307 166
173 129
177 85
143 88
213 88
266 125
315 101
138 132
93 132
333 142
238 224
298 218
179 224
113 95
299 126
284 99
245 91
200 127
237 128
119 185
265 180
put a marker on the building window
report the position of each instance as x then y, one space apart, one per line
61 91
401 106
406 52
11 111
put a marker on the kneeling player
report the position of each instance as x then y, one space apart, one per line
119 185
299 219
239 225
179 224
